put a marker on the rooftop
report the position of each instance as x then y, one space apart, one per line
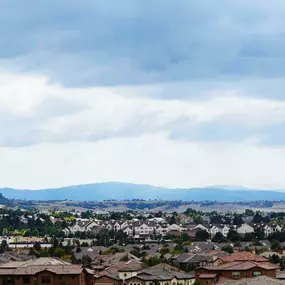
241 265
261 280
34 262
207 276
32 267
243 256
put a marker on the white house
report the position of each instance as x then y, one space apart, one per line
245 229
201 227
271 229
225 230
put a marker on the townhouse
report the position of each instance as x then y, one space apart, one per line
223 229
83 225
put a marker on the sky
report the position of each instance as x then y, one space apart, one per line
178 93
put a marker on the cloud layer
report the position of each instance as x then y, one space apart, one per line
132 41
176 94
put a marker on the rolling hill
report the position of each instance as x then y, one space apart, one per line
121 191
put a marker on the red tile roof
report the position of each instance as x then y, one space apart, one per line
243 256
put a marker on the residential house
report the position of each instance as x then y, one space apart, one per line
271 229
234 270
45 271
160 276
245 229
132 273
187 261
243 256
83 225
223 229
259 280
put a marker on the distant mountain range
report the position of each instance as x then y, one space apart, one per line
122 191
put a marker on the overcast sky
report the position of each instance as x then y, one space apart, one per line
178 93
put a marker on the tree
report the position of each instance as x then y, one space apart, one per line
135 252
275 246
237 220
59 252
248 237
233 236
190 211
172 220
32 251
282 265
202 235
198 219
44 253
274 259
257 219
185 237
218 237
260 235
4 244
249 212
37 246
86 260
280 236
156 282
229 249
35 233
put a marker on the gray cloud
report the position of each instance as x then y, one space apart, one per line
227 129
88 43
56 107
25 129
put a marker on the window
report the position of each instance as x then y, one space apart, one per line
236 274
26 280
45 280
256 273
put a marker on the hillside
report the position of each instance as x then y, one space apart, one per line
121 191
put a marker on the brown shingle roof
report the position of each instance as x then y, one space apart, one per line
260 280
57 269
207 276
131 265
242 266
34 269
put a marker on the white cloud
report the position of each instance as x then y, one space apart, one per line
70 136
149 159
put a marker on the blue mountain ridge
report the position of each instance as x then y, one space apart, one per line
121 191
